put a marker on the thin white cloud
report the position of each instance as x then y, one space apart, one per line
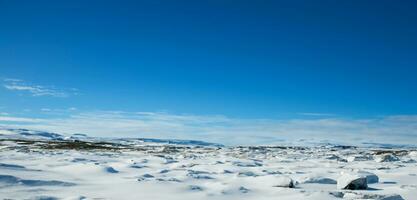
18 119
12 80
35 90
58 111
313 114
221 129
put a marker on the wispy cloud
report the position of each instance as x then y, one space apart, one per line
36 90
18 119
225 130
314 114
57 112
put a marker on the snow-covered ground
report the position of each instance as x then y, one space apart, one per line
41 165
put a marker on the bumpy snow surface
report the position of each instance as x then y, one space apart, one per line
39 165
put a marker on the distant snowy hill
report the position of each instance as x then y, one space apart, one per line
28 134
25 134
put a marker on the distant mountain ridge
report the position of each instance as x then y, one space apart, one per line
26 134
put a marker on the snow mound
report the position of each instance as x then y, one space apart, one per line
319 180
29 134
355 196
12 180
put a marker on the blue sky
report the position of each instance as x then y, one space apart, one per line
273 60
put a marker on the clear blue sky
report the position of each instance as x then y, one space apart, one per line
245 59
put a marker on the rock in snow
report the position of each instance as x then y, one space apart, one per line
386 158
358 158
243 189
352 182
370 177
284 181
111 170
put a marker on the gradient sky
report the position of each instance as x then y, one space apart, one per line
241 59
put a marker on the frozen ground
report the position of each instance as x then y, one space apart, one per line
41 165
